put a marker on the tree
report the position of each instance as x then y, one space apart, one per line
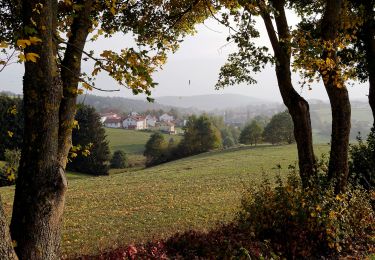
201 135
279 129
251 59
323 54
155 149
119 160
51 80
11 125
90 153
251 134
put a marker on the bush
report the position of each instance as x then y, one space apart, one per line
119 160
156 150
8 173
362 161
309 223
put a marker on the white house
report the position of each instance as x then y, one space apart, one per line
150 121
165 118
134 122
113 122
166 127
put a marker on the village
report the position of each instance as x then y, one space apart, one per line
165 123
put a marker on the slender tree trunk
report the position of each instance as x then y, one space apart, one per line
338 95
297 105
41 183
6 246
70 75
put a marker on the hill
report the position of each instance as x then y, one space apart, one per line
211 102
191 193
120 104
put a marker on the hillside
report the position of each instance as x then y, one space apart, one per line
192 193
211 102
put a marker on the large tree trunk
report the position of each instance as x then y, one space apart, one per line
297 105
70 75
41 183
6 246
369 42
338 95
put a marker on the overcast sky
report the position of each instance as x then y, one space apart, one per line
199 60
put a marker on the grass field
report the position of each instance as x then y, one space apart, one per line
132 142
192 193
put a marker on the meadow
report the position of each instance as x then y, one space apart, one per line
143 204
132 142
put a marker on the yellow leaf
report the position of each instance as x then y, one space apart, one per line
86 86
22 43
4 45
21 57
32 56
34 40
10 133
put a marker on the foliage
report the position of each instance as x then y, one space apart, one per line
89 134
119 160
11 124
201 135
251 134
155 149
362 161
279 129
309 223
8 171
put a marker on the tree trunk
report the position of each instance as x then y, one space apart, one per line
41 183
70 75
369 42
338 170
6 246
297 105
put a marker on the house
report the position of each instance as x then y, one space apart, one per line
134 122
150 121
113 122
105 116
166 127
165 118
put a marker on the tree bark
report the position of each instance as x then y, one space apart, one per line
6 246
298 107
70 75
338 170
41 183
369 42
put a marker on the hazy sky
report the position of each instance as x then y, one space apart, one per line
199 60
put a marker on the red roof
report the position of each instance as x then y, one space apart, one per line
112 120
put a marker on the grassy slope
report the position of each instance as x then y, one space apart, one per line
130 141
194 192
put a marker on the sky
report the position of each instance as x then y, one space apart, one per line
198 60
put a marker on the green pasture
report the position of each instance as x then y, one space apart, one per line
192 193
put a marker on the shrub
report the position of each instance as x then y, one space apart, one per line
362 161
8 173
119 160
156 150
308 223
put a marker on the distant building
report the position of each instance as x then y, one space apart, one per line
113 122
150 121
134 122
166 127
105 116
165 118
